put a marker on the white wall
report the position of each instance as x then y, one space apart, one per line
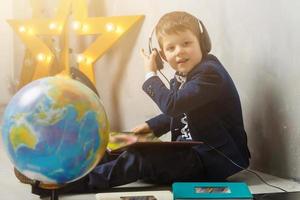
257 41
6 51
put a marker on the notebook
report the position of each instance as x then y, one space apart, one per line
138 195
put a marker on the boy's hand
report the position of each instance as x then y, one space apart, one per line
141 129
149 61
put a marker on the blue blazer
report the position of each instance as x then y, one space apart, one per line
212 105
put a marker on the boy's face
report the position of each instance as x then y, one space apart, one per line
182 51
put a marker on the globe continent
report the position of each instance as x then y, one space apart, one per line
55 130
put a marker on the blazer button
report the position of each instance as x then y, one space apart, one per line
149 90
152 94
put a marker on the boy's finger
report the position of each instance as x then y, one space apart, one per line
155 51
143 54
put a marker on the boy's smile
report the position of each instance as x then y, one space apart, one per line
182 51
184 60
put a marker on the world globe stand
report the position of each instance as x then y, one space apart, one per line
35 184
53 192
54 195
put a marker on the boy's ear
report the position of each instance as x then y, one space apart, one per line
162 55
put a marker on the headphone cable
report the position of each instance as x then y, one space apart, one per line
234 163
243 168
164 76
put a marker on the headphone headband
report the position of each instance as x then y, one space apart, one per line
205 43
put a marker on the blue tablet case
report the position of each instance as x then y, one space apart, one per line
211 190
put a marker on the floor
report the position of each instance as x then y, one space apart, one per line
12 189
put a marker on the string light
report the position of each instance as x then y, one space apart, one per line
76 25
52 26
89 61
49 58
60 28
30 31
80 58
85 28
119 30
110 27
84 59
41 57
22 29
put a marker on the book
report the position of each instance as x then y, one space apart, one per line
136 195
122 141
211 191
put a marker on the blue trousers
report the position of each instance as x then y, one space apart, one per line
155 165
158 166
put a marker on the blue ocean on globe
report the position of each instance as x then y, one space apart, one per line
55 130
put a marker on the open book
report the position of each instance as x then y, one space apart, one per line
122 141
119 140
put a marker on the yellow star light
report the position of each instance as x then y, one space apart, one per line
109 29
29 61
29 32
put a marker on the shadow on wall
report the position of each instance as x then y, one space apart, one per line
267 126
120 55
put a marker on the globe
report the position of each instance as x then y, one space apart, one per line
55 130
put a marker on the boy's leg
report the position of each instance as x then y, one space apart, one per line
223 161
126 168
165 166
155 165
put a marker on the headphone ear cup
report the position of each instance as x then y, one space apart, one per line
204 39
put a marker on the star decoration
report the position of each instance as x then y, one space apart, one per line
32 33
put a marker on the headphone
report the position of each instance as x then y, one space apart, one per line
205 44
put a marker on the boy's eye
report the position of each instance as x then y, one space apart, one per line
170 48
186 43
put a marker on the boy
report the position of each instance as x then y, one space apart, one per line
202 104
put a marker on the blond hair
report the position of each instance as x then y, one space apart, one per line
175 22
